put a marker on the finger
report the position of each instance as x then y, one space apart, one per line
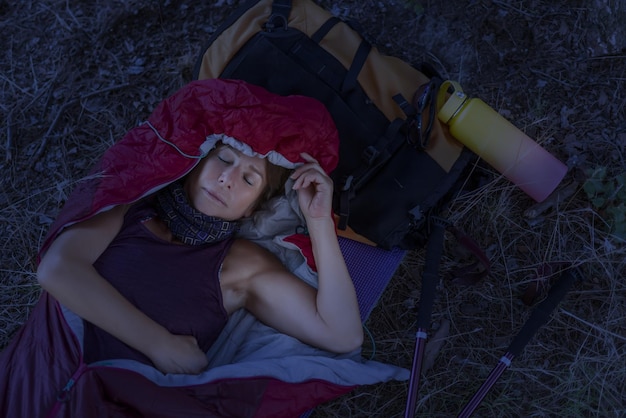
308 157
310 160
310 167
300 181
308 178
314 183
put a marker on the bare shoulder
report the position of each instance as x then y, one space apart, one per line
85 240
110 219
250 259
244 267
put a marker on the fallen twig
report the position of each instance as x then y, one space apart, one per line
9 142
553 200
44 140
433 347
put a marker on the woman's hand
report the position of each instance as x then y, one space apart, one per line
315 189
178 354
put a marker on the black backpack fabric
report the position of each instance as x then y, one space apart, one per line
397 164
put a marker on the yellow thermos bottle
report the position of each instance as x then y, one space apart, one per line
502 145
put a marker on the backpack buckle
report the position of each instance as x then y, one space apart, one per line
276 21
347 184
369 155
418 133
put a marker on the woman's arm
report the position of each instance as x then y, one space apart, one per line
66 271
328 318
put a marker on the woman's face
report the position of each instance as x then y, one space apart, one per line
226 184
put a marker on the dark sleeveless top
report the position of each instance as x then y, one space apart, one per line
175 285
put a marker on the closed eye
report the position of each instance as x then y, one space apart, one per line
250 175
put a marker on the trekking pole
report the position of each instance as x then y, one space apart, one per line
430 277
537 319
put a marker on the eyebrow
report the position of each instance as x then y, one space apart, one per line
254 168
251 166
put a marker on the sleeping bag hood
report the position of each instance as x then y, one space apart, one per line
185 127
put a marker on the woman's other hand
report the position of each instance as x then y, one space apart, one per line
315 189
179 354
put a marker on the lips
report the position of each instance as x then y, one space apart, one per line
214 196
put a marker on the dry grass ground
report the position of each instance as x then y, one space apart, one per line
75 75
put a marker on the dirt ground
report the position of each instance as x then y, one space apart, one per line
76 75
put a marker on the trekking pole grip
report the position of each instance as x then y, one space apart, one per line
541 313
430 274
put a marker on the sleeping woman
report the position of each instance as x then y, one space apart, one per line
156 279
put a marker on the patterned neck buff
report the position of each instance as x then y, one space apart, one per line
187 224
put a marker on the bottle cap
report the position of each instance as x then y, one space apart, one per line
451 106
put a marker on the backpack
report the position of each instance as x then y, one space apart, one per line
398 165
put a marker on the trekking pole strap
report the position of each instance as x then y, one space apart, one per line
471 274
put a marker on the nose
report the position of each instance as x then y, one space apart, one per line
225 177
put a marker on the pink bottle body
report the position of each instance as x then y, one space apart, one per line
507 149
